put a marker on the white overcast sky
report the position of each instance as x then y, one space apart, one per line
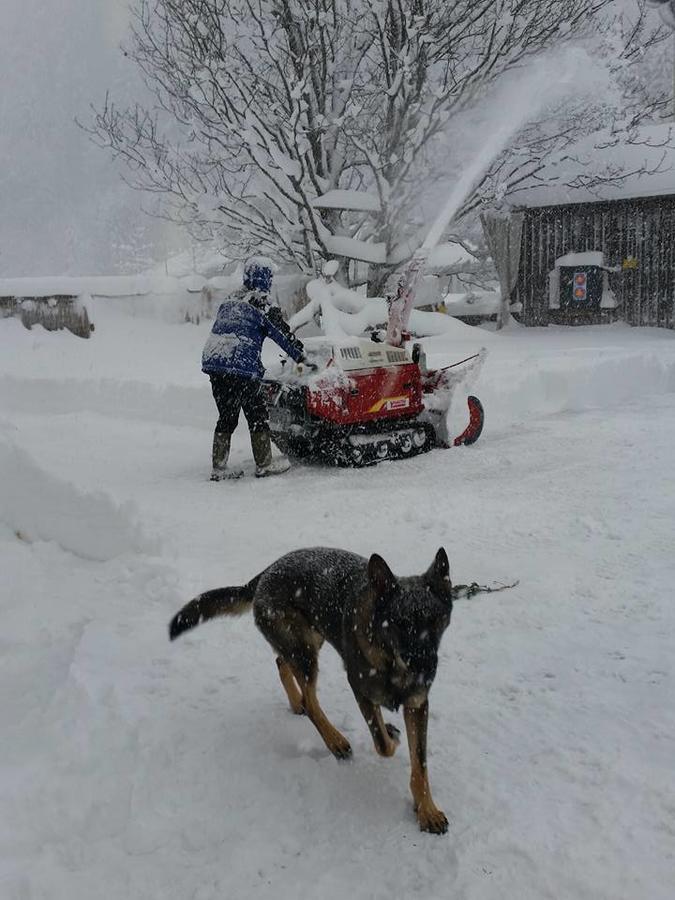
61 199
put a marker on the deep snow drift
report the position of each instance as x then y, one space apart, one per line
132 768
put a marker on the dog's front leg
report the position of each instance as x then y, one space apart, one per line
385 735
430 818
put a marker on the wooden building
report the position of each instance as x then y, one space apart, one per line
631 223
636 237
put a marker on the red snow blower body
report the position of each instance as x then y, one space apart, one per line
364 402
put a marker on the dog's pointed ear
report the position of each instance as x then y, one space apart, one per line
438 574
381 578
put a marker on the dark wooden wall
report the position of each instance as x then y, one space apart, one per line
643 229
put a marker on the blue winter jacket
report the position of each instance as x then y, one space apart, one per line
236 339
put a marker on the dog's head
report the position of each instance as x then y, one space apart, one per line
409 618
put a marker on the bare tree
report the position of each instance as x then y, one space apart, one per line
262 106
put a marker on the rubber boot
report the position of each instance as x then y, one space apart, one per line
262 454
220 455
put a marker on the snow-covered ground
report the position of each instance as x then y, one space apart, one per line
132 768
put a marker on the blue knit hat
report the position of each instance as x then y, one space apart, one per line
257 276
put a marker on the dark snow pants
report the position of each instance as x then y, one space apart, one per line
233 393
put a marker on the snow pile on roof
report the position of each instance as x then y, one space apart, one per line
643 168
586 258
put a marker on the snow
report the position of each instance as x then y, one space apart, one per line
344 313
448 255
265 261
38 506
221 345
134 768
535 92
361 201
356 249
589 258
100 285
473 303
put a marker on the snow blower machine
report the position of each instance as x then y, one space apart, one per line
366 402
357 402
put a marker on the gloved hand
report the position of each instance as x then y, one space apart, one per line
310 365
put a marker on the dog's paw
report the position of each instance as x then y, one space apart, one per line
432 820
340 748
387 745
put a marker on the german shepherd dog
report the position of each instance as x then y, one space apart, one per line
386 629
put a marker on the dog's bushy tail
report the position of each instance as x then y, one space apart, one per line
226 601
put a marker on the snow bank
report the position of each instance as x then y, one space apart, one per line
37 506
519 386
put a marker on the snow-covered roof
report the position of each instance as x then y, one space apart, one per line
647 164
587 258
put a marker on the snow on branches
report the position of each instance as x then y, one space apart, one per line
263 106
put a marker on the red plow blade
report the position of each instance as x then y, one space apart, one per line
476 420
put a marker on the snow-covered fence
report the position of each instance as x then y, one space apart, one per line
60 301
54 312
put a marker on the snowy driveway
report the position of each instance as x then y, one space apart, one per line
133 769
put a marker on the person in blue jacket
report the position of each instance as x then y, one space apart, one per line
231 359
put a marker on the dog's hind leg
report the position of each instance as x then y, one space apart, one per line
293 692
385 735
297 645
